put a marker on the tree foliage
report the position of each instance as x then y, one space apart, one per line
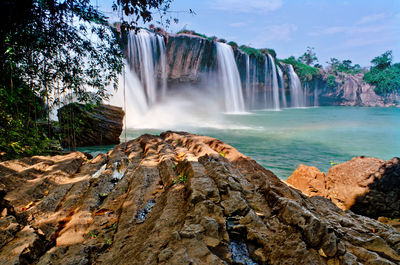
344 66
305 72
309 57
52 50
383 75
383 61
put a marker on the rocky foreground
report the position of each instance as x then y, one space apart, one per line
365 185
175 199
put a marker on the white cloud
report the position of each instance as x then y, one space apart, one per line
280 32
371 18
349 30
248 5
238 24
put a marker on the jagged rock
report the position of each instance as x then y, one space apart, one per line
88 125
367 186
352 90
188 57
195 207
309 180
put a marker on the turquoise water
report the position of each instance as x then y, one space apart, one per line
281 140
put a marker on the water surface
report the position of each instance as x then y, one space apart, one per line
281 140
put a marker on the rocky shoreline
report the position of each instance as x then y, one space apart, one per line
176 198
365 185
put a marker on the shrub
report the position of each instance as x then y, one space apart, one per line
268 51
305 72
331 80
233 44
252 52
386 80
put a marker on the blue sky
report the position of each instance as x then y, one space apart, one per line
357 30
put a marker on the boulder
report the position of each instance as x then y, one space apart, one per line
365 185
309 180
89 125
177 198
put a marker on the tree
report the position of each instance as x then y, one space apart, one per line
50 49
309 57
344 66
383 61
383 75
142 10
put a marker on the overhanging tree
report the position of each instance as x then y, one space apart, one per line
51 48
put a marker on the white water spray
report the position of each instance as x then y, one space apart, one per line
146 54
282 87
297 95
275 87
230 79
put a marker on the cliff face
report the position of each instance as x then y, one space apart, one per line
176 198
352 90
188 56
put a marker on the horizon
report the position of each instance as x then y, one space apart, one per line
361 32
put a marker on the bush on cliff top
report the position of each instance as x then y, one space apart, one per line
305 72
252 52
383 75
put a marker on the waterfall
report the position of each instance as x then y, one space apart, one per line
254 86
230 79
248 91
131 89
297 95
163 66
146 55
275 88
316 101
282 87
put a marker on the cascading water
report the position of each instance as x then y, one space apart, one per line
282 87
247 86
316 102
275 87
149 104
297 95
230 79
146 54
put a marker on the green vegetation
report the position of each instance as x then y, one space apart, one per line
252 52
344 66
384 75
191 32
309 57
180 179
268 51
305 72
331 80
233 44
46 53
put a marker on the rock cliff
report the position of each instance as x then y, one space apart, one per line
352 90
176 198
87 125
365 185
188 57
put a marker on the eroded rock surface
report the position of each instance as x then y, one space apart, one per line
367 186
177 198
89 125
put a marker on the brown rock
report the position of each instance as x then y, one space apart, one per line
228 210
367 186
87 125
309 180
